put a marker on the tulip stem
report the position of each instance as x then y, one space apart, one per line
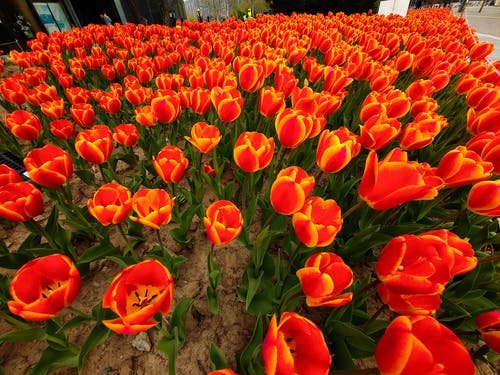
380 310
493 258
158 236
124 236
66 195
268 220
78 312
38 228
101 169
353 208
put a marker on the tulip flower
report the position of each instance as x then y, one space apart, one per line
24 125
323 278
8 175
336 149
126 134
49 166
486 120
166 108
461 167
20 201
253 151
295 345
13 91
135 94
225 371
378 131
204 137
136 294
54 109
223 222
200 101
420 132
110 103
318 221
95 144
153 207
227 102
62 129
270 101
293 127
395 180
251 77
209 169
488 324
290 189
484 198
491 153
170 164
43 287
409 304
480 50
407 348
145 116
110 204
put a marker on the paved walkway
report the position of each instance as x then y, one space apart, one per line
486 24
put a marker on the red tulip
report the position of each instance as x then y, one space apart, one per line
136 294
318 221
225 371
200 101
152 206
20 201
8 175
253 151
227 102
126 134
49 166
95 144
488 324
378 131
110 204
290 189
420 132
323 278
43 287
336 149
166 108
395 180
223 222
251 77
408 348
54 109
24 125
62 129
484 198
295 346
461 167
170 164
270 101
110 103
204 137
293 127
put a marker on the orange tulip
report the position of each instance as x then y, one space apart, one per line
395 180
421 132
484 198
270 101
488 324
24 125
110 204
204 137
225 371
54 109
200 101
152 206
407 348
461 167
323 278
295 346
62 129
227 102
145 116
491 153
378 131
318 221
43 287
293 126
110 103
135 94
170 164
336 149
13 91
20 201
290 189
49 166
136 294
487 120
480 50
253 151
78 95
95 144
126 134
251 77
223 222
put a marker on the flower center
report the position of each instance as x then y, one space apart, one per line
51 288
142 297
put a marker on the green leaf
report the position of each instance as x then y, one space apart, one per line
249 360
262 243
14 260
253 286
343 357
122 261
97 336
53 359
86 176
179 318
22 335
98 251
355 337
169 344
217 360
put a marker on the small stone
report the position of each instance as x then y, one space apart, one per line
141 342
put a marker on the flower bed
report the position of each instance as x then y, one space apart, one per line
281 195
